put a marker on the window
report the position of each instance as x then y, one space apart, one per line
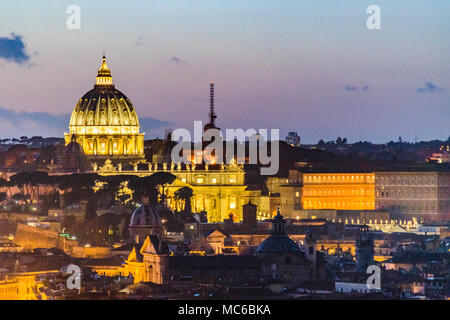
214 180
199 180
233 179
232 203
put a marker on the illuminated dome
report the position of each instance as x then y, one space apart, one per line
146 215
146 220
105 121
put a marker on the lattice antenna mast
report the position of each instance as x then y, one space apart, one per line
212 114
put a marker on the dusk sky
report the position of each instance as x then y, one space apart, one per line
307 66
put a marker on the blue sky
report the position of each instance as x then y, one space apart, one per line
306 66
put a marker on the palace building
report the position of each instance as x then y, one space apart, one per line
342 191
105 122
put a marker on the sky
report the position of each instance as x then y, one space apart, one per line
308 66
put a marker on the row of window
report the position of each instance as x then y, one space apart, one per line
357 178
203 180
414 193
405 180
317 204
334 191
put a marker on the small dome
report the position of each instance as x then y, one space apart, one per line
73 147
278 244
146 216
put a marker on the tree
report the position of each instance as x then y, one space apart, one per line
29 182
91 210
152 186
161 180
185 194
112 185
77 187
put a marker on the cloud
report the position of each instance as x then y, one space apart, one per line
15 124
12 49
177 60
354 88
430 88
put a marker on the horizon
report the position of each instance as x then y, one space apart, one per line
316 64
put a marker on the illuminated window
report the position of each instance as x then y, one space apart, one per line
214 180
232 179
183 180
297 194
199 180
232 203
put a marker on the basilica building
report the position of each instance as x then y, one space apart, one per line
105 122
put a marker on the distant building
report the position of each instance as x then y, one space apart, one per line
418 194
277 259
404 194
341 191
293 139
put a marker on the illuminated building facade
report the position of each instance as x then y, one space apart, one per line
419 194
219 190
23 286
340 191
105 122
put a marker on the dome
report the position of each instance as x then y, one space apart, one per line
73 156
278 244
146 216
73 147
105 122
278 241
104 105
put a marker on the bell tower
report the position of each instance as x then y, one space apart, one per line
364 249
311 246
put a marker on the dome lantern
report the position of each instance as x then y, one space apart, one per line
104 77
